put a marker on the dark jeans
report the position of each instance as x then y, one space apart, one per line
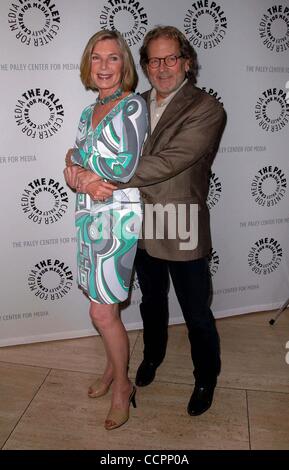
191 281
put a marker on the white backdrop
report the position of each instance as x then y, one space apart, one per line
243 51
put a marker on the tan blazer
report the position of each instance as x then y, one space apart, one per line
175 167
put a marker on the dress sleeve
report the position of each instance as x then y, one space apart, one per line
117 150
81 150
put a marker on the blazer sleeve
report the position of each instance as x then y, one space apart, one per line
197 137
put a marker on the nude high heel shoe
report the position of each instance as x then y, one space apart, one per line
116 417
98 389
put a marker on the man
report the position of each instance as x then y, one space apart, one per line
186 126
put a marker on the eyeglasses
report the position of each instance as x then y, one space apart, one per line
169 61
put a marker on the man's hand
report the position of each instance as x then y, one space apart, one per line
84 178
85 181
100 190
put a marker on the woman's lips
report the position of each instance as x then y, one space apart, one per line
104 77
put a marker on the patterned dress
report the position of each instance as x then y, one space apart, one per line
107 232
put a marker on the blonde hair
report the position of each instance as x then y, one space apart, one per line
129 75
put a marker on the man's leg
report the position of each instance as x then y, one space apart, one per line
191 281
153 279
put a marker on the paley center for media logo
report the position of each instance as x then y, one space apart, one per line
272 110
44 201
265 256
50 279
274 28
215 191
39 113
34 23
269 186
214 262
213 93
205 24
127 16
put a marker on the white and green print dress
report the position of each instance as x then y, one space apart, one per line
107 232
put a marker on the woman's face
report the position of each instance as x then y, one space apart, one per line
106 66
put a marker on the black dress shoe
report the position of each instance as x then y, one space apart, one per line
145 373
201 399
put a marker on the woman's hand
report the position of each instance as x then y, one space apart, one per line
68 156
71 173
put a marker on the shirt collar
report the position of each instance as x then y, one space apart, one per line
165 101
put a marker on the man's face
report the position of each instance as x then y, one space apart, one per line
163 78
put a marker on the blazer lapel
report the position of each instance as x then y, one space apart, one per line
146 96
183 98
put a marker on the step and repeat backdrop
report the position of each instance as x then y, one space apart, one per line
243 53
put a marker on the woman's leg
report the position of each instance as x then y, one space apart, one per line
101 386
107 320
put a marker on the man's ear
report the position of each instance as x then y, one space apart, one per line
187 66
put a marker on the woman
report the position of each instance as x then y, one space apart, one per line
108 145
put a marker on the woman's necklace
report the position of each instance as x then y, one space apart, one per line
109 98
